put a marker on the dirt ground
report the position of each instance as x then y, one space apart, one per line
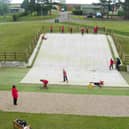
66 104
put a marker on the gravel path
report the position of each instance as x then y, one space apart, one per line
66 104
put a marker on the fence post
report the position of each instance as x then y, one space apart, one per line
15 54
4 56
26 56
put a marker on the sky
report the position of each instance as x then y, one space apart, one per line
67 1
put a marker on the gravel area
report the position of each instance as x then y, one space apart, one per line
98 105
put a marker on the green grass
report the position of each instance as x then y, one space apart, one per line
17 36
36 18
124 43
5 18
9 18
72 90
119 27
9 76
54 121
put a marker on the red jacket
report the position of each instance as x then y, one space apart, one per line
14 93
64 73
44 81
111 62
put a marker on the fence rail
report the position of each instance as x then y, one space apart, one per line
126 59
123 56
13 56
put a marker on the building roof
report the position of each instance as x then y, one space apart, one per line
90 6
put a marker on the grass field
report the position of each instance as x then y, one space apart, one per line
53 121
17 36
9 18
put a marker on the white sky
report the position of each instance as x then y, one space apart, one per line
67 1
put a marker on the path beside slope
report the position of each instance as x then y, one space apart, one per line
66 104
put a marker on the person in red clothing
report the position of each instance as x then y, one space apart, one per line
111 64
14 94
62 29
96 29
51 28
65 78
45 82
71 30
82 30
99 84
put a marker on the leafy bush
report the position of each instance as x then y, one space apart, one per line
121 13
77 12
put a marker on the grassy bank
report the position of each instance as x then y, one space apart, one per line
53 121
117 26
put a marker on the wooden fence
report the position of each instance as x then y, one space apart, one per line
123 56
13 56
126 59
20 56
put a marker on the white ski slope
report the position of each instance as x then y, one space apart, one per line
85 58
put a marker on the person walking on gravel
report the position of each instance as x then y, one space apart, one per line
14 94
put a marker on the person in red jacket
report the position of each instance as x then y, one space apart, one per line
45 82
65 78
14 94
51 28
82 30
62 29
111 64
96 29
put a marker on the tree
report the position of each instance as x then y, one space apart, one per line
108 5
25 5
32 6
45 6
40 6
4 7
126 9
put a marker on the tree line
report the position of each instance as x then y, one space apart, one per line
112 4
43 7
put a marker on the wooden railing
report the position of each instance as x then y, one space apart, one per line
123 56
13 56
20 56
126 59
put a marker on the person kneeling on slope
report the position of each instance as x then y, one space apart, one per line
45 82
